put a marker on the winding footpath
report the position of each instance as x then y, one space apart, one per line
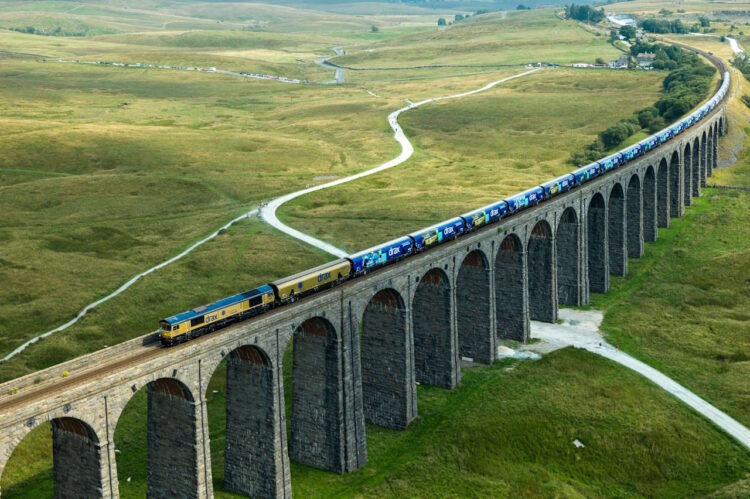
580 329
268 212
128 284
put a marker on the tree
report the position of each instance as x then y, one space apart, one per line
458 17
705 22
665 12
374 29
628 32
599 61
584 13
441 22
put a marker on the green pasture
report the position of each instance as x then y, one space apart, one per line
520 38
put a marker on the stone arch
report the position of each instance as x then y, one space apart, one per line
511 305
568 259
255 455
388 389
634 218
76 455
315 439
649 205
695 170
173 436
542 272
616 232
598 262
704 158
715 149
662 194
473 313
687 175
674 186
710 153
435 352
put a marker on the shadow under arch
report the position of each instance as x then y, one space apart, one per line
598 262
315 439
618 257
511 298
674 186
634 223
476 339
687 174
389 396
650 230
704 158
662 194
541 271
69 462
568 259
165 419
695 169
244 394
435 352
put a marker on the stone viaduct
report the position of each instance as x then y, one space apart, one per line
359 349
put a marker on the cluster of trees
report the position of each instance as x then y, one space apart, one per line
584 13
56 31
743 64
521 6
653 25
456 18
628 31
686 85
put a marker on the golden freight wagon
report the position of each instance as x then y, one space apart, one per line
291 288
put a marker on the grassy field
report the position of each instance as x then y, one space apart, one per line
472 151
148 161
520 38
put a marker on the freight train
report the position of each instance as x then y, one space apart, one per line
193 323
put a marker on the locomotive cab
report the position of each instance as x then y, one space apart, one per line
168 333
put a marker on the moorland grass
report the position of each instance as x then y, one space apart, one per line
107 171
520 38
475 150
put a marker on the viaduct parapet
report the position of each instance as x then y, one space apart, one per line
359 349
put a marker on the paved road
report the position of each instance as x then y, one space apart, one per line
580 329
268 212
